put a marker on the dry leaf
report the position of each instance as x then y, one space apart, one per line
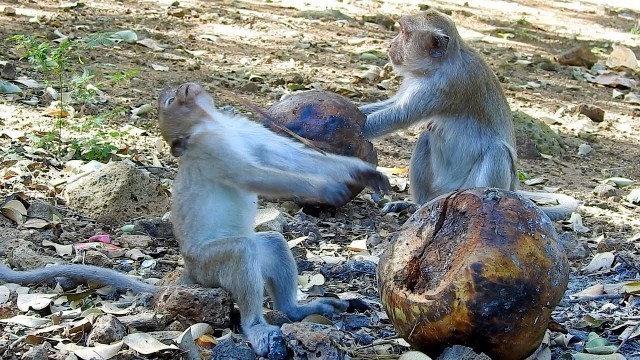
307 280
101 352
358 245
34 301
15 211
594 290
146 344
297 241
28 321
5 293
600 262
60 249
151 44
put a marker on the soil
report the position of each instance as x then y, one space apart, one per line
263 50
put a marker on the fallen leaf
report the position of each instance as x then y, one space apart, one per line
28 321
60 249
618 181
14 210
9 88
99 352
593 290
35 223
146 344
104 238
5 293
601 261
157 67
307 280
34 301
358 245
124 35
151 44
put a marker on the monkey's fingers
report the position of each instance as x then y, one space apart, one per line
376 180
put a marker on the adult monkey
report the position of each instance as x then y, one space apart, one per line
469 138
225 162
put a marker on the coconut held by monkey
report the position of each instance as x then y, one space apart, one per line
330 122
479 267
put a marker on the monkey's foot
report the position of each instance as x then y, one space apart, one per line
398 206
267 340
319 306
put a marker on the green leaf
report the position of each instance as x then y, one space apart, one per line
583 356
9 88
125 35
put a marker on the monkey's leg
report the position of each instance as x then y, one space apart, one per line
233 264
420 177
281 277
496 168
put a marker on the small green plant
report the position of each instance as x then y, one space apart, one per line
522 21
635 29
522 175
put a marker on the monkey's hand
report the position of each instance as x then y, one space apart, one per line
267 340
373 179
398 206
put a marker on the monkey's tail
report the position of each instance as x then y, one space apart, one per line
77 273
565 204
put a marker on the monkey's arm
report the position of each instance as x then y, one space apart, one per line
79 273
411 106
373 107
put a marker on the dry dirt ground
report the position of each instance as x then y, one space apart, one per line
263 50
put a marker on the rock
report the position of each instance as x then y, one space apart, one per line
594 113
156 228
606 191
9 11
459 352
614 245
383 20
270 219
210 305
9 70
136 241
232 348
325 15
580 55
37 352
23 257
573 247
106 330
97 258
10 238
146 321
461 265
533 137
314 341
117 192
43 210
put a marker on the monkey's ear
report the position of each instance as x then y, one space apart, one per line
438 45
178 146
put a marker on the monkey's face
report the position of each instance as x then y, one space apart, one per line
179 110
421 44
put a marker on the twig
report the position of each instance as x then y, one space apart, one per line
595 298
270 119
620 257
635 327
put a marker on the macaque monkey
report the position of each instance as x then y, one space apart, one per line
469 138
225 162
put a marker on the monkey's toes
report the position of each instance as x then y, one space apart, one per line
375 180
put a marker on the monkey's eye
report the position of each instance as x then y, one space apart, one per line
169 101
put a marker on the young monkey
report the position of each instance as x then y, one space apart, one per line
225 161
469 138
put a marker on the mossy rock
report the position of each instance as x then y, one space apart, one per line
534 137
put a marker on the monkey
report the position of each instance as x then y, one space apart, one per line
469 138
225 161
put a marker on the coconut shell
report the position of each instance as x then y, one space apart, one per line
330 121
481 268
